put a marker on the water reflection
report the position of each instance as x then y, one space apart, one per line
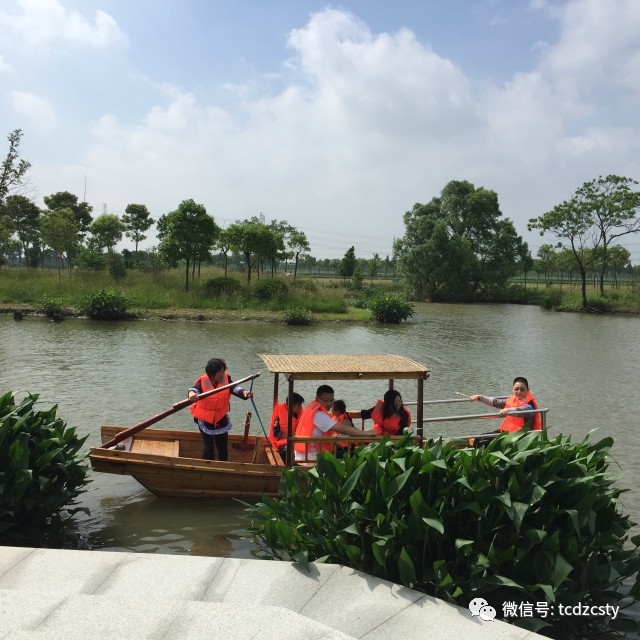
581 367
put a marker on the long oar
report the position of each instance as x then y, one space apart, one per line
123 435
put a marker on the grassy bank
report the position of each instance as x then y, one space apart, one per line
163 295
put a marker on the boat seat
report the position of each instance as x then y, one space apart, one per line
156 447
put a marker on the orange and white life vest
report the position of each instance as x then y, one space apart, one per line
280 416
514 422
216 406
305 429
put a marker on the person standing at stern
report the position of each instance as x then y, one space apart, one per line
211 414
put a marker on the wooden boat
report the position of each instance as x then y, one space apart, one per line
168 463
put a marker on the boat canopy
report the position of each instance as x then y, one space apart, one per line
345 367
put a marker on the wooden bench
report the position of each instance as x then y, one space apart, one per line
156 447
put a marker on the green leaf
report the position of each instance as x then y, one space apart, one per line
406 569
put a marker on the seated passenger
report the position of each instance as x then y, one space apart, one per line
279 418
520 400
316 422
390 416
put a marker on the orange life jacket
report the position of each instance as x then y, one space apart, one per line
514 422
306 426
387 426
280 417
216 406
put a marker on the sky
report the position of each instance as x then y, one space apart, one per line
337 118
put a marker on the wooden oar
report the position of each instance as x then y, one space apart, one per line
176 407
464 395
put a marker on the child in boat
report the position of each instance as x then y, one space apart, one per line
279 417
340 415
211 413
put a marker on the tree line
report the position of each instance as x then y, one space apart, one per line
457 247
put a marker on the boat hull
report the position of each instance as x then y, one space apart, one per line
166 463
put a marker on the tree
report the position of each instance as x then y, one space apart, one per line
7 244
60 232
185 234
458 246
572 222
374 266
81 210
14 169
107 231
24 215
546 260
614 210
224 245
619 258
347 265
137 220
252 240
299 244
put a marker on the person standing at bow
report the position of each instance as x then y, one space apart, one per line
519 401
211 414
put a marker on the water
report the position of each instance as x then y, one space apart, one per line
580 366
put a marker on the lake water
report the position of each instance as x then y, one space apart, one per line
582 367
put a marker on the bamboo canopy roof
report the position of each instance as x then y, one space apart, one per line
344 367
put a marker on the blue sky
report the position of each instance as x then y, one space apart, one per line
335 117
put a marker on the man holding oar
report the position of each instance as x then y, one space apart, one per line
212 413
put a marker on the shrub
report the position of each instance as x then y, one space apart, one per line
50 307
91 260
41 472
106 304
304 285
217 287
390 308
116 266
270 289
524 519
551 299
300 316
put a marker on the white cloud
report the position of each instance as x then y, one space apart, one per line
5 67
43 22
35 111
368 124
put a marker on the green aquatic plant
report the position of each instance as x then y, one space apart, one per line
41 469
527 518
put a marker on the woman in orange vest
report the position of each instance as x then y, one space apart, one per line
520 400
211 414
390 416
279 422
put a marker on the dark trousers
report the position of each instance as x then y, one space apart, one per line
220 441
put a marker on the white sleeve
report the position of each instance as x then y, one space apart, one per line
322 422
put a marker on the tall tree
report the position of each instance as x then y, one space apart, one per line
252 240
300 247
458 246
7 243
137 221
347 265
81 210
107 231
614 209
572 222
185 234
60 232
25 214
14 169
